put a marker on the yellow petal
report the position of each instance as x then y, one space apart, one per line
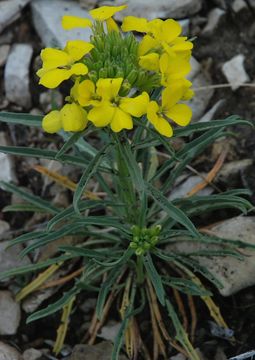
171 95
109 88
136 106
105 12
86 90
173 68
74 117
160 124
70 22
77 49
133 23
121 120
180 113
74 92
52 78
168 31
53 58
183 46
112 25
78 69
102 115
51 122
150 62
147 44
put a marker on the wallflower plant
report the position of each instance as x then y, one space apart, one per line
130 94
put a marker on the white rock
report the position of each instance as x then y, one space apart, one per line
8 352
4 226
184 188
10 11
239 5
235 72
4 51
6 162
10 258
161 9
178 357
210 113
110 331
195 68
16 75
47 15
32 354
10 314
185 23
202 97
234 274
214 18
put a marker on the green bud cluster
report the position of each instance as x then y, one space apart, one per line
144 239
116 55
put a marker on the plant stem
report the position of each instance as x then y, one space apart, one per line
139 270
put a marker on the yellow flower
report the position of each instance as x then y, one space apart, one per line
60 65
70 22
173 68
170 109
160 34
72 117
105 13
108 107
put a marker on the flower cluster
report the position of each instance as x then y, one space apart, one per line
114 76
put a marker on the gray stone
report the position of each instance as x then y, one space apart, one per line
185 23
235 72
185 187
16 75
10 258
10 11
161 9
101 351
8 352
195 68
210 113
231 170
214 18
239 5
47 15
4 226
110 331
234 274
4 51
178 357
32 354
6 162
10 314
202 97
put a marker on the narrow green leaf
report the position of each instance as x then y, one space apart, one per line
155 278
86 176
33 199
186 286
21 119
33 267
71 140
24 208
52 308
171 210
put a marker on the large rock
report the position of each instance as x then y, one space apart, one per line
16 75
202 96
6 162
4 51
234 274
8 352
235 72
101 351
151 9
9 314
47 15
10 11
32 354
10 258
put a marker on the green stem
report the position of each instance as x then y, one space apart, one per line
139 270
